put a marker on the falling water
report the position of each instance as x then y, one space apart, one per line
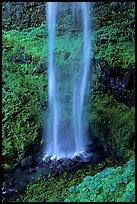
67 137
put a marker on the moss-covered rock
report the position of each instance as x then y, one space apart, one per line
113 40
114 124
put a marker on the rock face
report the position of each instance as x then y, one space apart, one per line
20 15
119 82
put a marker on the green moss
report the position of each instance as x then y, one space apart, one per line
23 96
111 40
114 124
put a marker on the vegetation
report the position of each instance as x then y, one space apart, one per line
113 122
55 188
110 185
24 102
114 35
24 94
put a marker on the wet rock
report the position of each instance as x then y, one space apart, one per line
33 170
22 177
52 165
24 181
129 78
10 194
29 172
96 158
126 78
59 161
75 160
19 172
5 184
44 164
66 162
15 166
19 59
46 161
43 172
59 167
27 162
13 195
56 172
95 151
119 82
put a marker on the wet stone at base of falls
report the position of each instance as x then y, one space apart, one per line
29 172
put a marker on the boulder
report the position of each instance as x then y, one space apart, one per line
27 162
10 194
19 59
43 172
66 162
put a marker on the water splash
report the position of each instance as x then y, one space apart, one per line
66 138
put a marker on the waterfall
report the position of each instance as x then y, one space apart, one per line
66 137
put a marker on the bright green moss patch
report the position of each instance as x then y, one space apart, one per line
109 185
23 97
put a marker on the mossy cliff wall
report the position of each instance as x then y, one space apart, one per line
113 117
20 15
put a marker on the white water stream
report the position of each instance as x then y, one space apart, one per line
70 139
